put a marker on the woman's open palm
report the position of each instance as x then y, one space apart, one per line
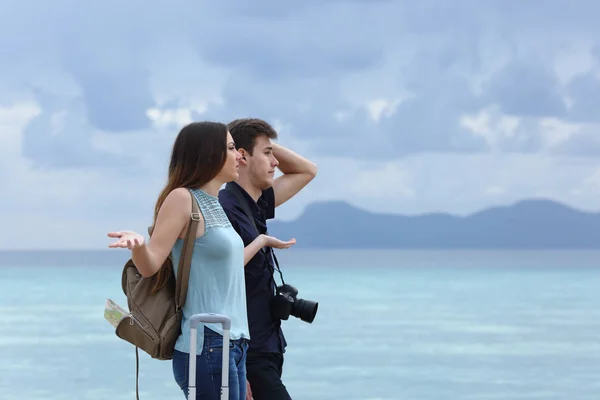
126 240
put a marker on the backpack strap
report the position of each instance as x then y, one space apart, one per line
183 274
183 271
137 374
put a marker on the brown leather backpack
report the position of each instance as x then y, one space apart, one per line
154 320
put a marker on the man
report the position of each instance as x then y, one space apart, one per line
261 193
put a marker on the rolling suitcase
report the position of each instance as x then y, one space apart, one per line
226 323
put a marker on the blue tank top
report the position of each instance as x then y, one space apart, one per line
216 283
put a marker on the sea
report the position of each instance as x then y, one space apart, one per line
391 324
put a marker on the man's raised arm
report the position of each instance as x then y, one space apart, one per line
297 173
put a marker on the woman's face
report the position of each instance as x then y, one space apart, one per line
229 172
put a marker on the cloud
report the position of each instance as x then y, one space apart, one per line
59 137
65 207
452 182
585 143
113 107
584 91
456 105
323 68
75 207
530 90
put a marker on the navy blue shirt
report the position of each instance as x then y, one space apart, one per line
266 335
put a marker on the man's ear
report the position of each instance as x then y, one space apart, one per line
244 154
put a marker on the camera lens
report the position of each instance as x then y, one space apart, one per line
306 310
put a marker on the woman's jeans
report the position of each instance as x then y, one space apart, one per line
209 366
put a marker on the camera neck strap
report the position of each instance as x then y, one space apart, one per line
276 266
244 204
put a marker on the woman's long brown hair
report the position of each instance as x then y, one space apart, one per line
198 154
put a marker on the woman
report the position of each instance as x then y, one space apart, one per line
204 157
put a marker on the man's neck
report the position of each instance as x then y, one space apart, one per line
253 191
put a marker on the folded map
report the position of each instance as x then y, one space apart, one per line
114 313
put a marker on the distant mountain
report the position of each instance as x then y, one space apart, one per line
529 224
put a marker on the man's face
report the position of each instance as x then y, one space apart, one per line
262 163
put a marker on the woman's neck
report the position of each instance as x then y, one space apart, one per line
212 187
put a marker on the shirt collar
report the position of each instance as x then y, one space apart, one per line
256 206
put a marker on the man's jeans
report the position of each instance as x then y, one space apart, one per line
209 365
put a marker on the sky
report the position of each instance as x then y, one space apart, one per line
406 107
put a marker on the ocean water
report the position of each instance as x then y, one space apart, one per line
414 325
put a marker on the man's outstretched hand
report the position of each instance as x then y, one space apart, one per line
275 243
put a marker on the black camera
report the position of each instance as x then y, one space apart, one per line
287 303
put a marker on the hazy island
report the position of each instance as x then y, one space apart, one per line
528 224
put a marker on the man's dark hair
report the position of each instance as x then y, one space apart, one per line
244 132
